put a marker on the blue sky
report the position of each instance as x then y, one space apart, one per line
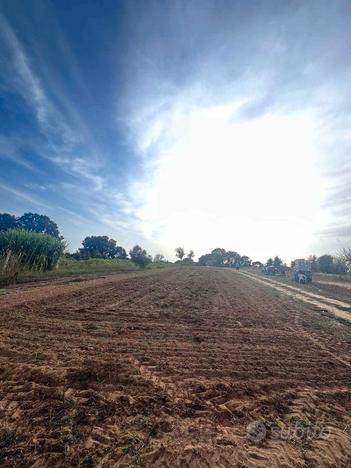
165 123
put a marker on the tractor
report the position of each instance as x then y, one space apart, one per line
302 271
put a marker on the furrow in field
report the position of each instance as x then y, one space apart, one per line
170 369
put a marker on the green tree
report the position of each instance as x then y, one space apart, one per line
219 257
101 247
205 260
314 263
139 256
179 251
277 262
325 264
269 262
7 221
38 223
120 252
191 254
232 258
245 261
159 258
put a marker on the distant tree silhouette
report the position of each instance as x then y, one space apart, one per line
179 251
205 260
139 256
325 264
159 258
7 221
38 223
101 247
120 252
314 263
277 262
191 254
345 258
231 258
245 261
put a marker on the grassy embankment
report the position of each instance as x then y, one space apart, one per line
30 256
70 267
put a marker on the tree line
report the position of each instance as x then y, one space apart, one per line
92 246
107 248
184 258
30 222
224 258
339 264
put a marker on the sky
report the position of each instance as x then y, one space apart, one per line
168 123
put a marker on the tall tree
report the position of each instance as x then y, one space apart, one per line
314 263
191 254
100 247
345 258
120 253
205 260
277 262
179 251
232 258
7 221
219 256
325 264
245 261
38 223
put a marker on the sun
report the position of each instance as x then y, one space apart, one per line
218 180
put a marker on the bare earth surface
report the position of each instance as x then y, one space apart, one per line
182 367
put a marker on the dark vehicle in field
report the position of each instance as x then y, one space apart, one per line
302 271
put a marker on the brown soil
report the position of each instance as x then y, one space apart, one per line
168 369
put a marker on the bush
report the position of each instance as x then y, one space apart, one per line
31 250
139 256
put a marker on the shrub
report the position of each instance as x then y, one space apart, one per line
32 250
139 256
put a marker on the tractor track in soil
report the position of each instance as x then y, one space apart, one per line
168 368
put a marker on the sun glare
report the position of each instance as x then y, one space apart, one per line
220 180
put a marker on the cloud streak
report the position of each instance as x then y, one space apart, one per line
61 140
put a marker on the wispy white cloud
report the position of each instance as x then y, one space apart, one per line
62 142
24 195
10 149
24 80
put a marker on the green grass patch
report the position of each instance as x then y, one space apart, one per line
70 267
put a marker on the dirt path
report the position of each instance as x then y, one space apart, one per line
188 367
331 305
340 284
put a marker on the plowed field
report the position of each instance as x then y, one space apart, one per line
182 367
